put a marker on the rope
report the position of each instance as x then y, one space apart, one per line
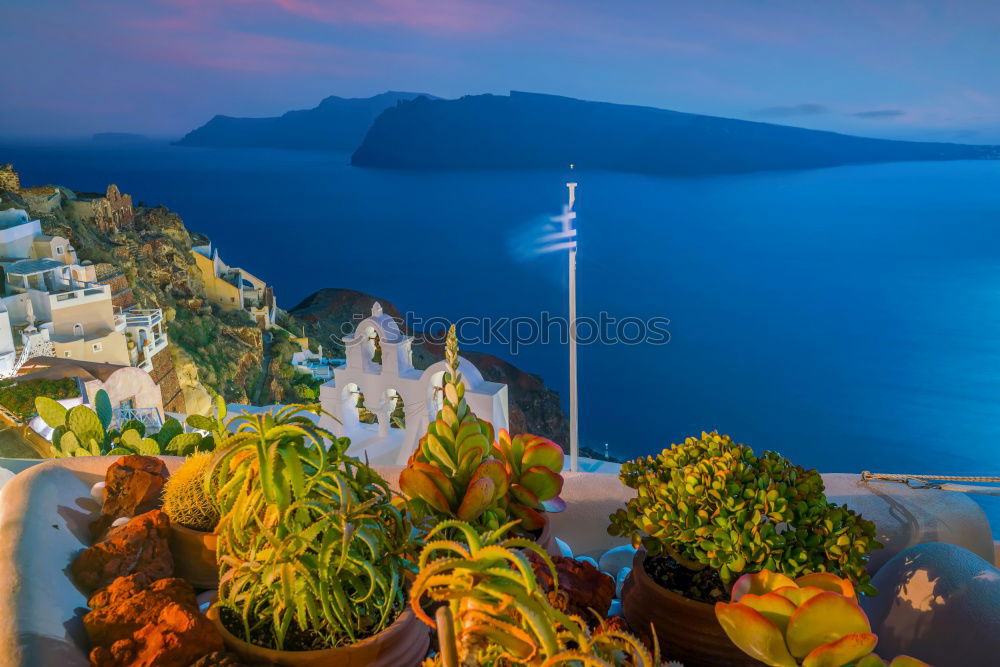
934 481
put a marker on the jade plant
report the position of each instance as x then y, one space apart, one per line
812 621
452 473
712 503
185 501
311 549
498 614
82 431
533 465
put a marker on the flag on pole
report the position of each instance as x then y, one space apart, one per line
560 233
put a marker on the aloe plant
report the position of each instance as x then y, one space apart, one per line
82 431
812 621
452 473
310 544
502 616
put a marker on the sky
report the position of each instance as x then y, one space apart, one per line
913 69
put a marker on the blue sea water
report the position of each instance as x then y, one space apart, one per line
848 318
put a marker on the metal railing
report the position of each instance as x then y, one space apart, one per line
149 417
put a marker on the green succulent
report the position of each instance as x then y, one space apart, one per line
498 614
82 431
712 502
309 542
453 473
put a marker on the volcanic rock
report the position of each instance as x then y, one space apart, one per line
581 586
133 484
159 626
140 546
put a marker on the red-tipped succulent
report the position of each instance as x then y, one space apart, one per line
533 465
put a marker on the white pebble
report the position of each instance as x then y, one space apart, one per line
120 521
97 492
615 559
564 549
620 581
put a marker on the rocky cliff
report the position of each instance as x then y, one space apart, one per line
151 258
527 130
336 124
329 314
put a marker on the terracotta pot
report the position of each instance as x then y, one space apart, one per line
194 556
402 644
686 629
547 540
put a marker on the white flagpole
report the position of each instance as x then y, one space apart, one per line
574 442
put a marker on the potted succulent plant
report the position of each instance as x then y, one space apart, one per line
193 517
495 612
709 510
311 550
812 621
458 472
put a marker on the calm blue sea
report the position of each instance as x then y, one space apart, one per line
848 318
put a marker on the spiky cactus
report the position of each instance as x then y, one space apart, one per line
81 431
184 498
452 473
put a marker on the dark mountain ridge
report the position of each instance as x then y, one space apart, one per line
530 130
335 124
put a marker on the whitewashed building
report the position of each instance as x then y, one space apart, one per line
381 385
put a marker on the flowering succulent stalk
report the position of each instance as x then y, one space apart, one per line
812 621
533 465
452 473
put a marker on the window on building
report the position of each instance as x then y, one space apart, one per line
77 329
67 354
98 347
59 250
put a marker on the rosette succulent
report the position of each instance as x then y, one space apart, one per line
711 502
533 465
812 621
452 474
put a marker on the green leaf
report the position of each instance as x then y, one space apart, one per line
183 444
149 447
51 411
170 429
131 439
85 424
201 423
102 405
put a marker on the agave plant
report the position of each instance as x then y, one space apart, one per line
82 431
310 545
452 474
812 621
533 465
501 615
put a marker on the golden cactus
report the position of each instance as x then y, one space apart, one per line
184 499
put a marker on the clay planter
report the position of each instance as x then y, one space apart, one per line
546 540
194 556
402 644
686 629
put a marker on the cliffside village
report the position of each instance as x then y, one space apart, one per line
65 318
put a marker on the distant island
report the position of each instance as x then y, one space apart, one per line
528 130
336 124
119 138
